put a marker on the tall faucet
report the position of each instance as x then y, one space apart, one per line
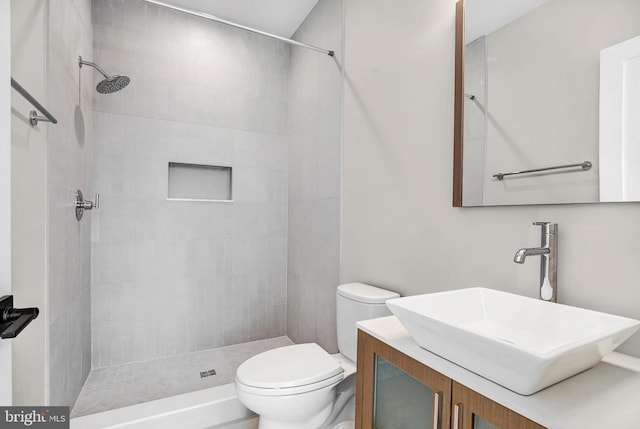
548 263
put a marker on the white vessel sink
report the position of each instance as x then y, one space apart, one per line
521 343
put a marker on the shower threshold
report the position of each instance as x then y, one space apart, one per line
212 408
140 382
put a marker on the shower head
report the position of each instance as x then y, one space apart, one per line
110 84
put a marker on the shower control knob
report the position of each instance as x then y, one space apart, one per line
90 205
82 204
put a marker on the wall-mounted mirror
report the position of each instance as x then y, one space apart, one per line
547 102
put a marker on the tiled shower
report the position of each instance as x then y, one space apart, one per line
180 275
175 276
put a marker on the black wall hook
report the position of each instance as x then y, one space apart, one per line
14 320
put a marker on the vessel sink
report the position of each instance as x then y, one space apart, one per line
521 343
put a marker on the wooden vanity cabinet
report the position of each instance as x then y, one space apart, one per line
396 391
381 367
471 410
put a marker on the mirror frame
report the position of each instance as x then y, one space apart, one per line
458 105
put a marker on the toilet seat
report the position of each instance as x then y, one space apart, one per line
285 391
289 370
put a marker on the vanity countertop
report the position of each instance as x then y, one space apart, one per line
605 396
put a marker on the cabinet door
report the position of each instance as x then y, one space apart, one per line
471 410
395 391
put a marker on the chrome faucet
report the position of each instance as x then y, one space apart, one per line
548 263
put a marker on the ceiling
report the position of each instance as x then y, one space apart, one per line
281 17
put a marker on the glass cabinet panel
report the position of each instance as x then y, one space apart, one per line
400 401
480 423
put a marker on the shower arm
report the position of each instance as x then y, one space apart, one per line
81 63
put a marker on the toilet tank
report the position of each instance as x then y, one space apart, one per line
356 302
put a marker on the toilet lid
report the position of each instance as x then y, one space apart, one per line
290 366
367 294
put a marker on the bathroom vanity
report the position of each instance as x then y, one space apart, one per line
401 384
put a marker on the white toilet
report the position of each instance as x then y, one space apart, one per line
294 387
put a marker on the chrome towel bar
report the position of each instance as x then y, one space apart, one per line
33 115
584 165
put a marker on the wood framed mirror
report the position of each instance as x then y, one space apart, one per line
547 93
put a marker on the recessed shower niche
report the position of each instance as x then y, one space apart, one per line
199 182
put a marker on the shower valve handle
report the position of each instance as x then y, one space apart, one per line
90 205
82 204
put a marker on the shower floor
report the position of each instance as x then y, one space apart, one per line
134 383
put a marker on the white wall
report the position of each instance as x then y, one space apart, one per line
399 229
5 189
171 277
315 150
28 188
69 154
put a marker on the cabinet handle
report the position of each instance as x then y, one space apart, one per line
437 410
457 416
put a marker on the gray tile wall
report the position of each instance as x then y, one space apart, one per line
172 276
315 153
69 154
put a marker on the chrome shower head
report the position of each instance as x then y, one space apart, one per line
110 84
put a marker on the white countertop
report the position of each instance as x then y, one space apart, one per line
606 396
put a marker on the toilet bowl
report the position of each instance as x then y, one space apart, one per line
290 387
302 386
